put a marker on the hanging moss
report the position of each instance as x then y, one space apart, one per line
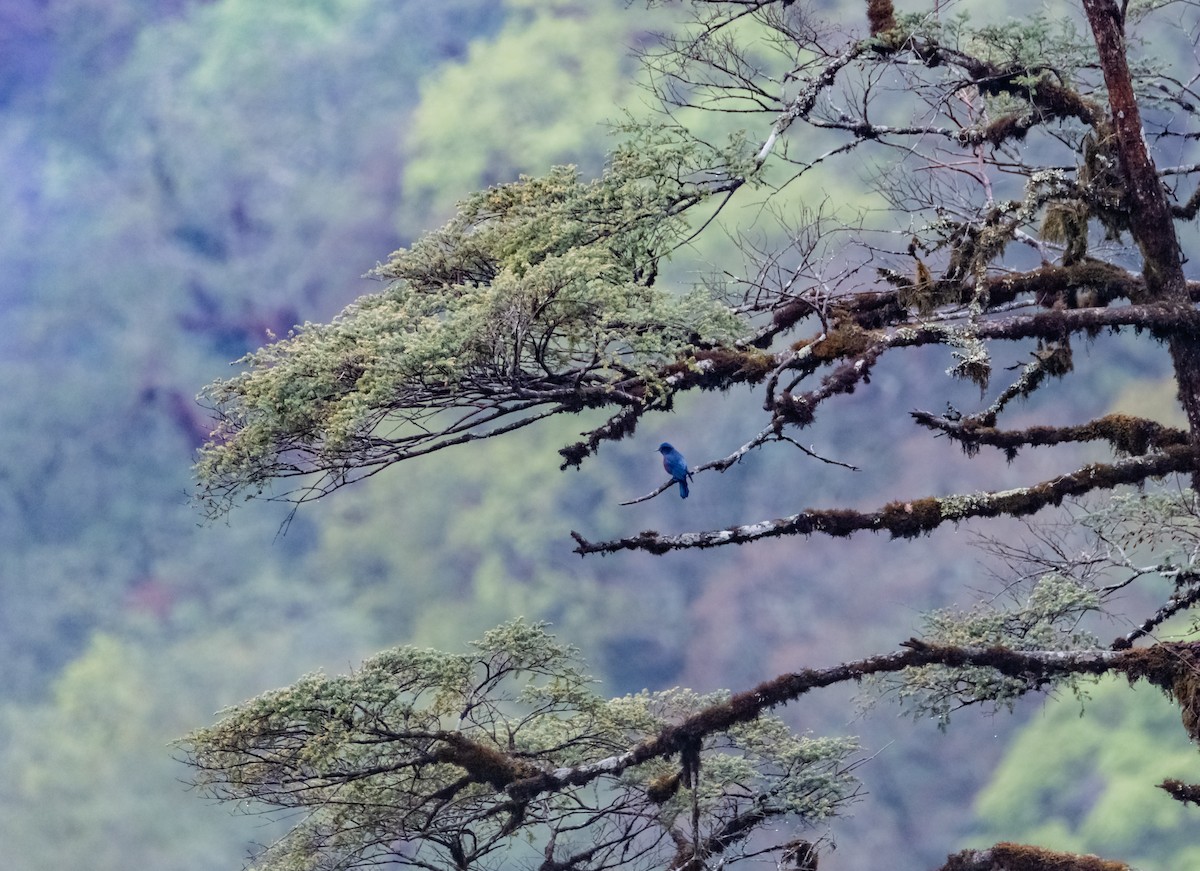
662 788
846 340
1066 223
880 16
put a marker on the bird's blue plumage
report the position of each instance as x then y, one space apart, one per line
676 467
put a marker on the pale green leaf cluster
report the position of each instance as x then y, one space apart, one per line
761 764
1034 44
539 292
788 772
1032 49
1162 525
1047 618
370 758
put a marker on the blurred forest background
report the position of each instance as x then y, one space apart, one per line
181 180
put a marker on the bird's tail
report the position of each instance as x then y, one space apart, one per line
683 489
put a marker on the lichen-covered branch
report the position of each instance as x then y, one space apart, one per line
1126 434
748 705
1186 595
290 747
463 755
911 518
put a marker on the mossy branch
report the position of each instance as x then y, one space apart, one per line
1127 434
1098 282
861 350
908 519
367 756
1006 856
745 706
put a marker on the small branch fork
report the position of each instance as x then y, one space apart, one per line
723 464
1187 594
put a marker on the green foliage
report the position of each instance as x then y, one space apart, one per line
419 750
1032 44
538 292
186 176
1026 47
89 778
1163 525
1086 780
539 93
263 140
1048 618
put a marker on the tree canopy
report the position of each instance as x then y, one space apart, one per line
413 747
538 294
998 217
1011 202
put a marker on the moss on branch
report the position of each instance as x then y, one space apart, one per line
1006 856
910 518
1127 434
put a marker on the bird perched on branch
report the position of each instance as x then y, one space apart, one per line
676 467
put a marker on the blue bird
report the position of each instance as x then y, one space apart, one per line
676 467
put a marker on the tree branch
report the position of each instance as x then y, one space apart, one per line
912 518
1127 434
1180 791
862 350
1179 601
746 706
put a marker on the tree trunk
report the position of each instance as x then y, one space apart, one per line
1150 219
